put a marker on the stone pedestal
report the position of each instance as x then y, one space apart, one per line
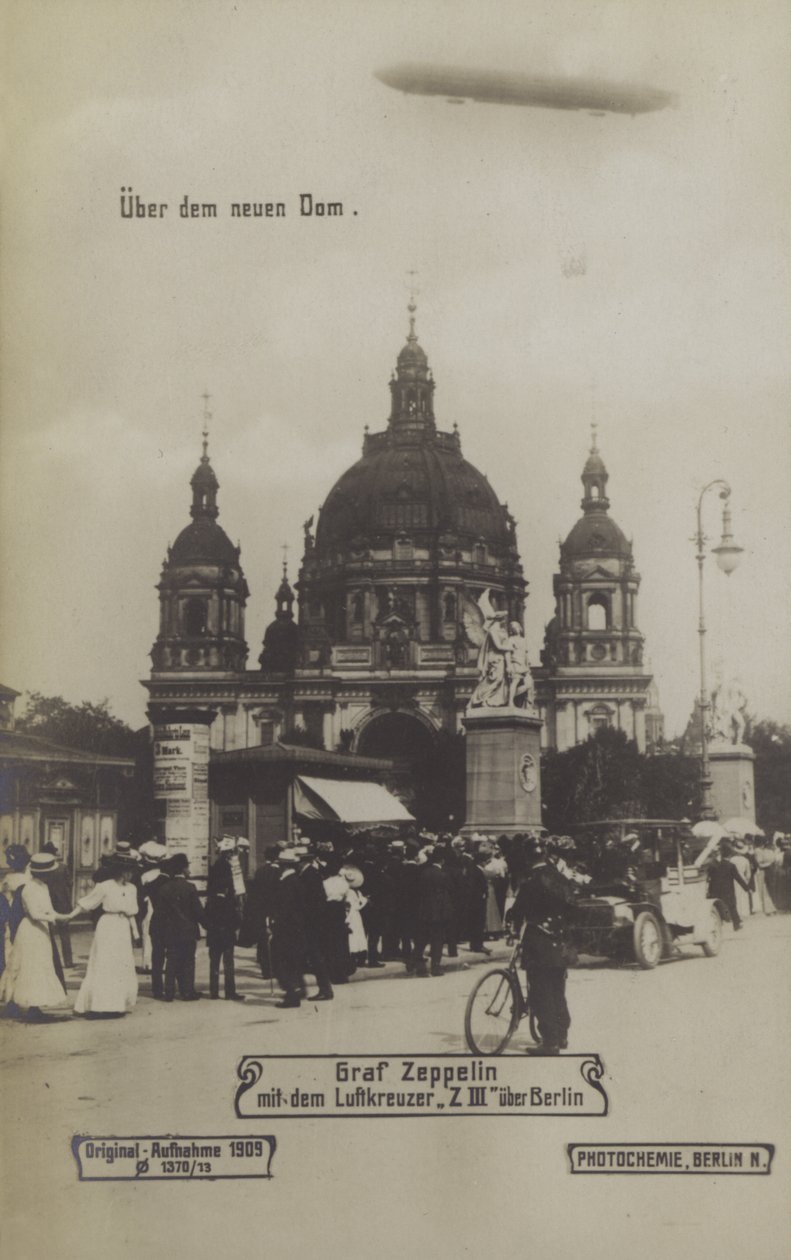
732 781
503 771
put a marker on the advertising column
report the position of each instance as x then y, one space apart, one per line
181 787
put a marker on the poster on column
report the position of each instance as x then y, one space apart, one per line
320 322
180 780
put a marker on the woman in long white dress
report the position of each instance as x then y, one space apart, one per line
30 981
110 984
358 941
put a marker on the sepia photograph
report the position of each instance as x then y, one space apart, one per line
393 720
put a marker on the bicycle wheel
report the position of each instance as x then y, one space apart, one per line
494 1009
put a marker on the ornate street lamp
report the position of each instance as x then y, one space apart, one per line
728 555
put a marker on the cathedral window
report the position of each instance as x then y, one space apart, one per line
196 616
357 607
449 607
479 553
598 612
403 548
599 718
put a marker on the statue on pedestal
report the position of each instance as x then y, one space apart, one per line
505 680
728 713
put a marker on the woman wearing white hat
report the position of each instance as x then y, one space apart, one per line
30 982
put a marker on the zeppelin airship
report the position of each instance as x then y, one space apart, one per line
492 87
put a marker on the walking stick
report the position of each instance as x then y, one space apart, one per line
269 962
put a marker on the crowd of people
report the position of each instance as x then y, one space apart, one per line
319 908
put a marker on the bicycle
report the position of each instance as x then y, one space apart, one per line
496 1006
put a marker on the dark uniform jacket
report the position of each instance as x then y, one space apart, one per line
435 902
179 912
542 904
152 889
721 879
222 916
315 900
288 924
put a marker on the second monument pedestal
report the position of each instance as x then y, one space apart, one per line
503 771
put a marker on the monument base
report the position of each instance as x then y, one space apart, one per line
503 771
732 780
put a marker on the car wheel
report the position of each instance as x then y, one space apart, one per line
647 937
711 946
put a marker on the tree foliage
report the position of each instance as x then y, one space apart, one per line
608 777
771 743
88 727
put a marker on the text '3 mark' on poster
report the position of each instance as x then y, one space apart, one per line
308 206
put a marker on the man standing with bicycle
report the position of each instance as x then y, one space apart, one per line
542 905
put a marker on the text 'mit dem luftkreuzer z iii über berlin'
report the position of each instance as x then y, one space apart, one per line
304 206
355 1086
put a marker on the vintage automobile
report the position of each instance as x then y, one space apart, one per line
645 898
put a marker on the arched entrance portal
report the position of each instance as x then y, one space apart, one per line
397 735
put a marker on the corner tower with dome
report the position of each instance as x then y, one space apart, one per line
592 672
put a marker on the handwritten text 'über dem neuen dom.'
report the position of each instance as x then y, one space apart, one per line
305 207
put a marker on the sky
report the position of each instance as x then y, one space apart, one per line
571 268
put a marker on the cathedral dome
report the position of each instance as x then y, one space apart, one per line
595 533
419 486
281 637
407 537
203 541
412 479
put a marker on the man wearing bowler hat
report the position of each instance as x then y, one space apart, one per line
180 918
289 942
222 921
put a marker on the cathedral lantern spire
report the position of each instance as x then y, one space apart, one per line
204 481
412 387
595 478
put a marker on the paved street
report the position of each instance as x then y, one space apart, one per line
691 1052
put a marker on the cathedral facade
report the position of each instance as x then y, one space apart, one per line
368 654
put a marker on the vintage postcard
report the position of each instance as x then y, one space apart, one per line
395 830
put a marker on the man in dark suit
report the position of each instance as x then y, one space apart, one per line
477 891
434 914
59 884
312 883
542 904
222 922
289 942
180 916
407 880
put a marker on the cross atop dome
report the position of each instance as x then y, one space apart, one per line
206 418
204 482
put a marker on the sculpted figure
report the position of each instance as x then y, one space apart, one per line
728 710
518 669
503 667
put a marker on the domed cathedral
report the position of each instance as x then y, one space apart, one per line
406 536
202 591
376 661
592 671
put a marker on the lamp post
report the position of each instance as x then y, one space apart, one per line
728 555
